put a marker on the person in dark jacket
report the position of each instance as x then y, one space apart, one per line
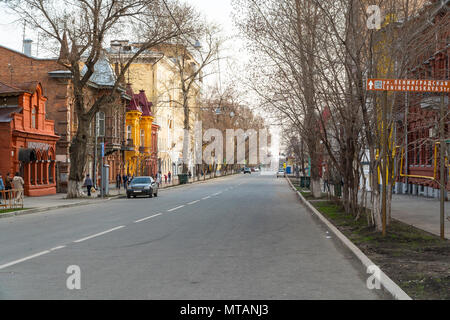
89 184
8 185
118 181
124 181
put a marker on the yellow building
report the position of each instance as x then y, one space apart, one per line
140 157
157 74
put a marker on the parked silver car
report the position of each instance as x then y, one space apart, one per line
142 186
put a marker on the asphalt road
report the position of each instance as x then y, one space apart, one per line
239 237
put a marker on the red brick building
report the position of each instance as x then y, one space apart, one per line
28 141
16 67
430 60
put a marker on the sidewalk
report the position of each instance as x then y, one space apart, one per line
420 212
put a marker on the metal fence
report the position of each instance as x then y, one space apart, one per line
11 199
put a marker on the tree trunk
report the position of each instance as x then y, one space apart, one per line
186 140
78 154
376 202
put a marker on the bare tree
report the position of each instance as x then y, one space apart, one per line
79 29
192 54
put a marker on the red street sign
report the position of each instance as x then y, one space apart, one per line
408 85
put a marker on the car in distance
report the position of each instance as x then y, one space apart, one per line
281 173
247 170
142 186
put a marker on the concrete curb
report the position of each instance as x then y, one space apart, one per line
389 285
45 209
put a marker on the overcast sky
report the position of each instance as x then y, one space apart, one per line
219 11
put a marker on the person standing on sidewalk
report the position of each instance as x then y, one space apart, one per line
2 188
18 185
124 180
170 176
89 184
158 178
118 181
8 184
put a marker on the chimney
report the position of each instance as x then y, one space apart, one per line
27 47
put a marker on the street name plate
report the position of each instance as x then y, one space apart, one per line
408 85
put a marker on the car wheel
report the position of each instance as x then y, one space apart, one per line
150 195
128 196
134 196
156 194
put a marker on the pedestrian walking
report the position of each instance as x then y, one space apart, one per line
118 181
18 183
170 176
165 178
158 178
2 188
89 184
124 181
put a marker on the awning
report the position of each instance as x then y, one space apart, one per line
27 155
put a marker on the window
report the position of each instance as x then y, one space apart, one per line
129 133
142 138
33 118
100 124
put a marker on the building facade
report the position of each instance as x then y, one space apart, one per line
141 135
28 141
419 165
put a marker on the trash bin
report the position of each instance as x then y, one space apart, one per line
183 178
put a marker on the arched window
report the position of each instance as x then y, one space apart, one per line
33 117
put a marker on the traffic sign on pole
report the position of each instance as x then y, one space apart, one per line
408 85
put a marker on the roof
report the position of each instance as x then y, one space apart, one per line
103 75
139 102
9 90
6 112
18 88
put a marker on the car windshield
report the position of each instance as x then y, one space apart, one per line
141 180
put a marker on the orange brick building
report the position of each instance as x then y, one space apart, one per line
28 141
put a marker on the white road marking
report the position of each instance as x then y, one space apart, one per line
57 248
3 266
176 208
155 215
99 234
192 202
217 193
206 197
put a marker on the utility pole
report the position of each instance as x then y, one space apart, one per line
442 165
383 160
